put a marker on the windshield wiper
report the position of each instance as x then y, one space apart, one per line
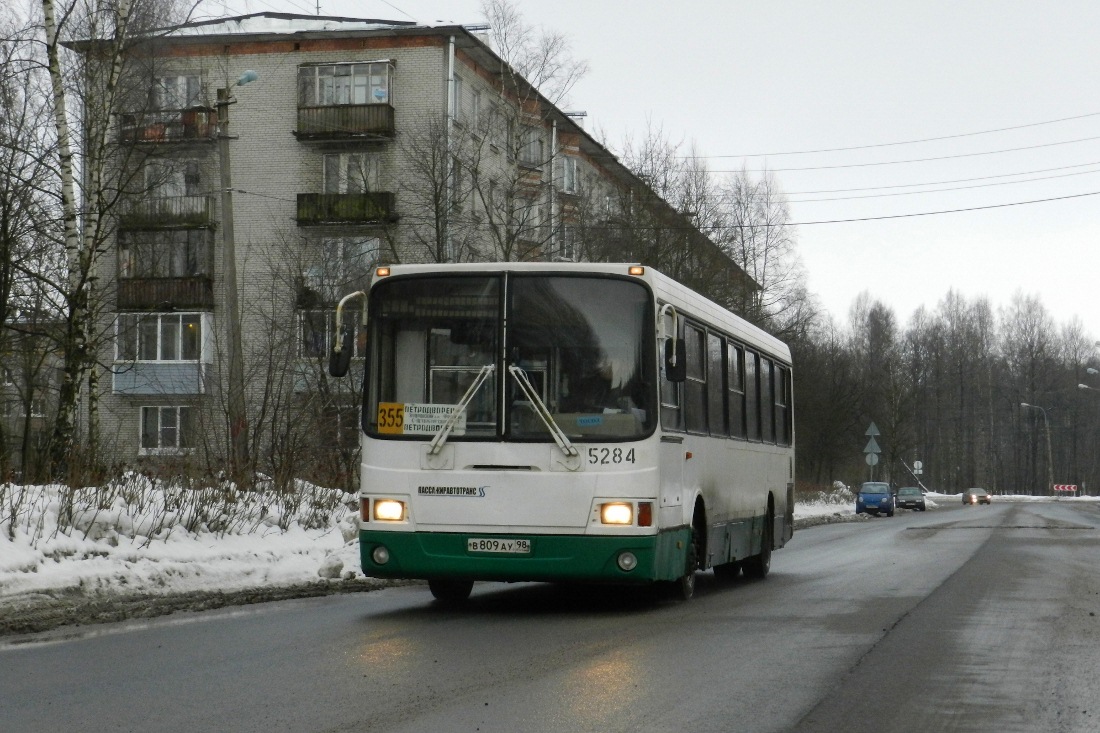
556 432
460 409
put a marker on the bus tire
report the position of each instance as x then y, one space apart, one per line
758 566
685 586
449 590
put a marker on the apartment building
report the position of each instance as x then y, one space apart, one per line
300 151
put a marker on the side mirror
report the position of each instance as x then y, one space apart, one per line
339 359
675 361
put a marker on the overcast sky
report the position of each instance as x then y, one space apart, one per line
994 100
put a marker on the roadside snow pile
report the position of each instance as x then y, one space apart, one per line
144 536
140 535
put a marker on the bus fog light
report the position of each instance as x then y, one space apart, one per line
617 513
380 555
389 510
627 561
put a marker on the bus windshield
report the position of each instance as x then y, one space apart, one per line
585 344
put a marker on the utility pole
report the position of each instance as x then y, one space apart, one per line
237 413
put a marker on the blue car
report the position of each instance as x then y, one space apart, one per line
875 497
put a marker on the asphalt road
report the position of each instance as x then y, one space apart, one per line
955 619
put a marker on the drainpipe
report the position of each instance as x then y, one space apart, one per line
553 189
448 165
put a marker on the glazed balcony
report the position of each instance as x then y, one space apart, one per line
345 122
345 208
194 124
164 293
168 212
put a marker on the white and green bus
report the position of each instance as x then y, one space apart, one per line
566 422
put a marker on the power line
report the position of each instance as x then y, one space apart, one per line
902 142
913 160
934 213
939 190
942 183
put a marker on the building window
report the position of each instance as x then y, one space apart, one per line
475 109
569 180
176 92
169 253
532 152
167 430
317 333
158 337
351 172
353 83
16 407
343 264
458 112
567 248
172 178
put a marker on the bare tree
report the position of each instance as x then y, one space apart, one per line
540 57
757 234
85 93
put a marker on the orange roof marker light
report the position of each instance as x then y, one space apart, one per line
636 270
382 271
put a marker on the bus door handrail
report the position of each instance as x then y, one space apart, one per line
556 432
445 429
675 327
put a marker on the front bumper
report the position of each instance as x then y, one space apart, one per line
552 557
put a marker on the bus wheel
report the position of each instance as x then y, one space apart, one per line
758 566
450 591
685 586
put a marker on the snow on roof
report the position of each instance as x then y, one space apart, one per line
274 23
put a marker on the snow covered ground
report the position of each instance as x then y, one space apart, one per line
142 538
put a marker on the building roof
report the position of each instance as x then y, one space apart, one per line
278 23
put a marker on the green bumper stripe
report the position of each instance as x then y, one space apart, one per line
552 557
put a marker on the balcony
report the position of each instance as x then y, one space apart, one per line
345 208
170 126
144 293
168 212
345 122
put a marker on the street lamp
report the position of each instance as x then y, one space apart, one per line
1050 460
237 413
1091 371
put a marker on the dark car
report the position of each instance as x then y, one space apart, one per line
875 497
976 496
910 497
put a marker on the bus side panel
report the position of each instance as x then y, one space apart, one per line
671 460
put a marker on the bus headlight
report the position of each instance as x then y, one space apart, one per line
617 513
389 510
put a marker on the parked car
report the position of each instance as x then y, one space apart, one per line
875 497
976 496
910 497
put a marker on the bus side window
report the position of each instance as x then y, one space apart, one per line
735 382
782 403
767 402
716 384
752 392
695 386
